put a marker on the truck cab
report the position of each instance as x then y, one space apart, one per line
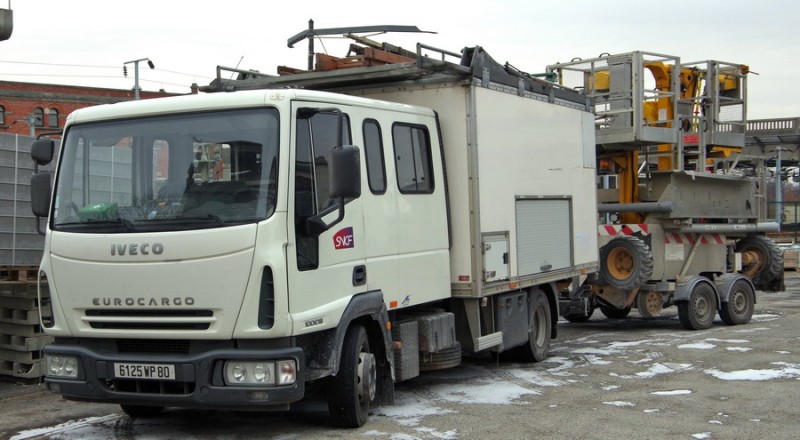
211 250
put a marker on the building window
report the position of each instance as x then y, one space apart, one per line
38 115
52 118
2 115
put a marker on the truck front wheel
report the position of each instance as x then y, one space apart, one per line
353 388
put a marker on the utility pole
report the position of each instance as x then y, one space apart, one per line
136 88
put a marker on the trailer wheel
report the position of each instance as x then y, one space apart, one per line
625 263
615 313
649 303
535 350
141 411
698 313
353 388
740 305
762 259
575 317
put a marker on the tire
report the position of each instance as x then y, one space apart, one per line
649 303
740 305
615 313
353 388
625 263
141 411
766 259
579 318
539 325
698 313
443 359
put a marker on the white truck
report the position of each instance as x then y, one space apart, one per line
243 250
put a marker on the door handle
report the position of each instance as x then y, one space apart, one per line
360 275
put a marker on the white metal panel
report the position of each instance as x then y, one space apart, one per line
535 149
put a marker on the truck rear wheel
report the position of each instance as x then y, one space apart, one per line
698 313
535 350
625 263
353 388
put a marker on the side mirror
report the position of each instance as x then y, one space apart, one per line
42 151
40 193
344 183
345 175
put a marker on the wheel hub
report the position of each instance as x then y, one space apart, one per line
367 377
620 263
650 303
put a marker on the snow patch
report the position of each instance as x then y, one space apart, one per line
620 403
66 426
409 410
651 410
739 349
447 435
671 393
702 435
789 371
765 317
698 345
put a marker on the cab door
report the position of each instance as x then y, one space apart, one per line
325 269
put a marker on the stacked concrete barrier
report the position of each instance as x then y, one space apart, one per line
21 335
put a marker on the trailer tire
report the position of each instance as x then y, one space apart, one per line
615 313
766 259
698 312
539 324
353 388
739 307
625 263
578 317
141 411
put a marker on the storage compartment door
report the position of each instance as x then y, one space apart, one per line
543 235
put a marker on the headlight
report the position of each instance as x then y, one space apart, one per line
64 367
249 373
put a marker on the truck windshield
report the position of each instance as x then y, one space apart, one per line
178 172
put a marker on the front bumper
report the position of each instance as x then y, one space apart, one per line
198 383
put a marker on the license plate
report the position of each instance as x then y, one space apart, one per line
144 371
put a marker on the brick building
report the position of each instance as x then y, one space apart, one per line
31 108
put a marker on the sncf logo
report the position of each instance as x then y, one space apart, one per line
344 239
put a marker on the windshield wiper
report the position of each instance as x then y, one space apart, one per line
129 225
217 219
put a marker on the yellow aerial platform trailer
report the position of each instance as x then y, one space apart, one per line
679 223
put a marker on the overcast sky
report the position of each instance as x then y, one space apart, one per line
86 42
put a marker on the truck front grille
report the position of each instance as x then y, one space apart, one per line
144 319
154 387
153 346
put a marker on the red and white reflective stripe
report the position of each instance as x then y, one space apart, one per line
679 238
623 229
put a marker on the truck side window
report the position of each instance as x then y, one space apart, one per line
316 137
373 150
412 153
